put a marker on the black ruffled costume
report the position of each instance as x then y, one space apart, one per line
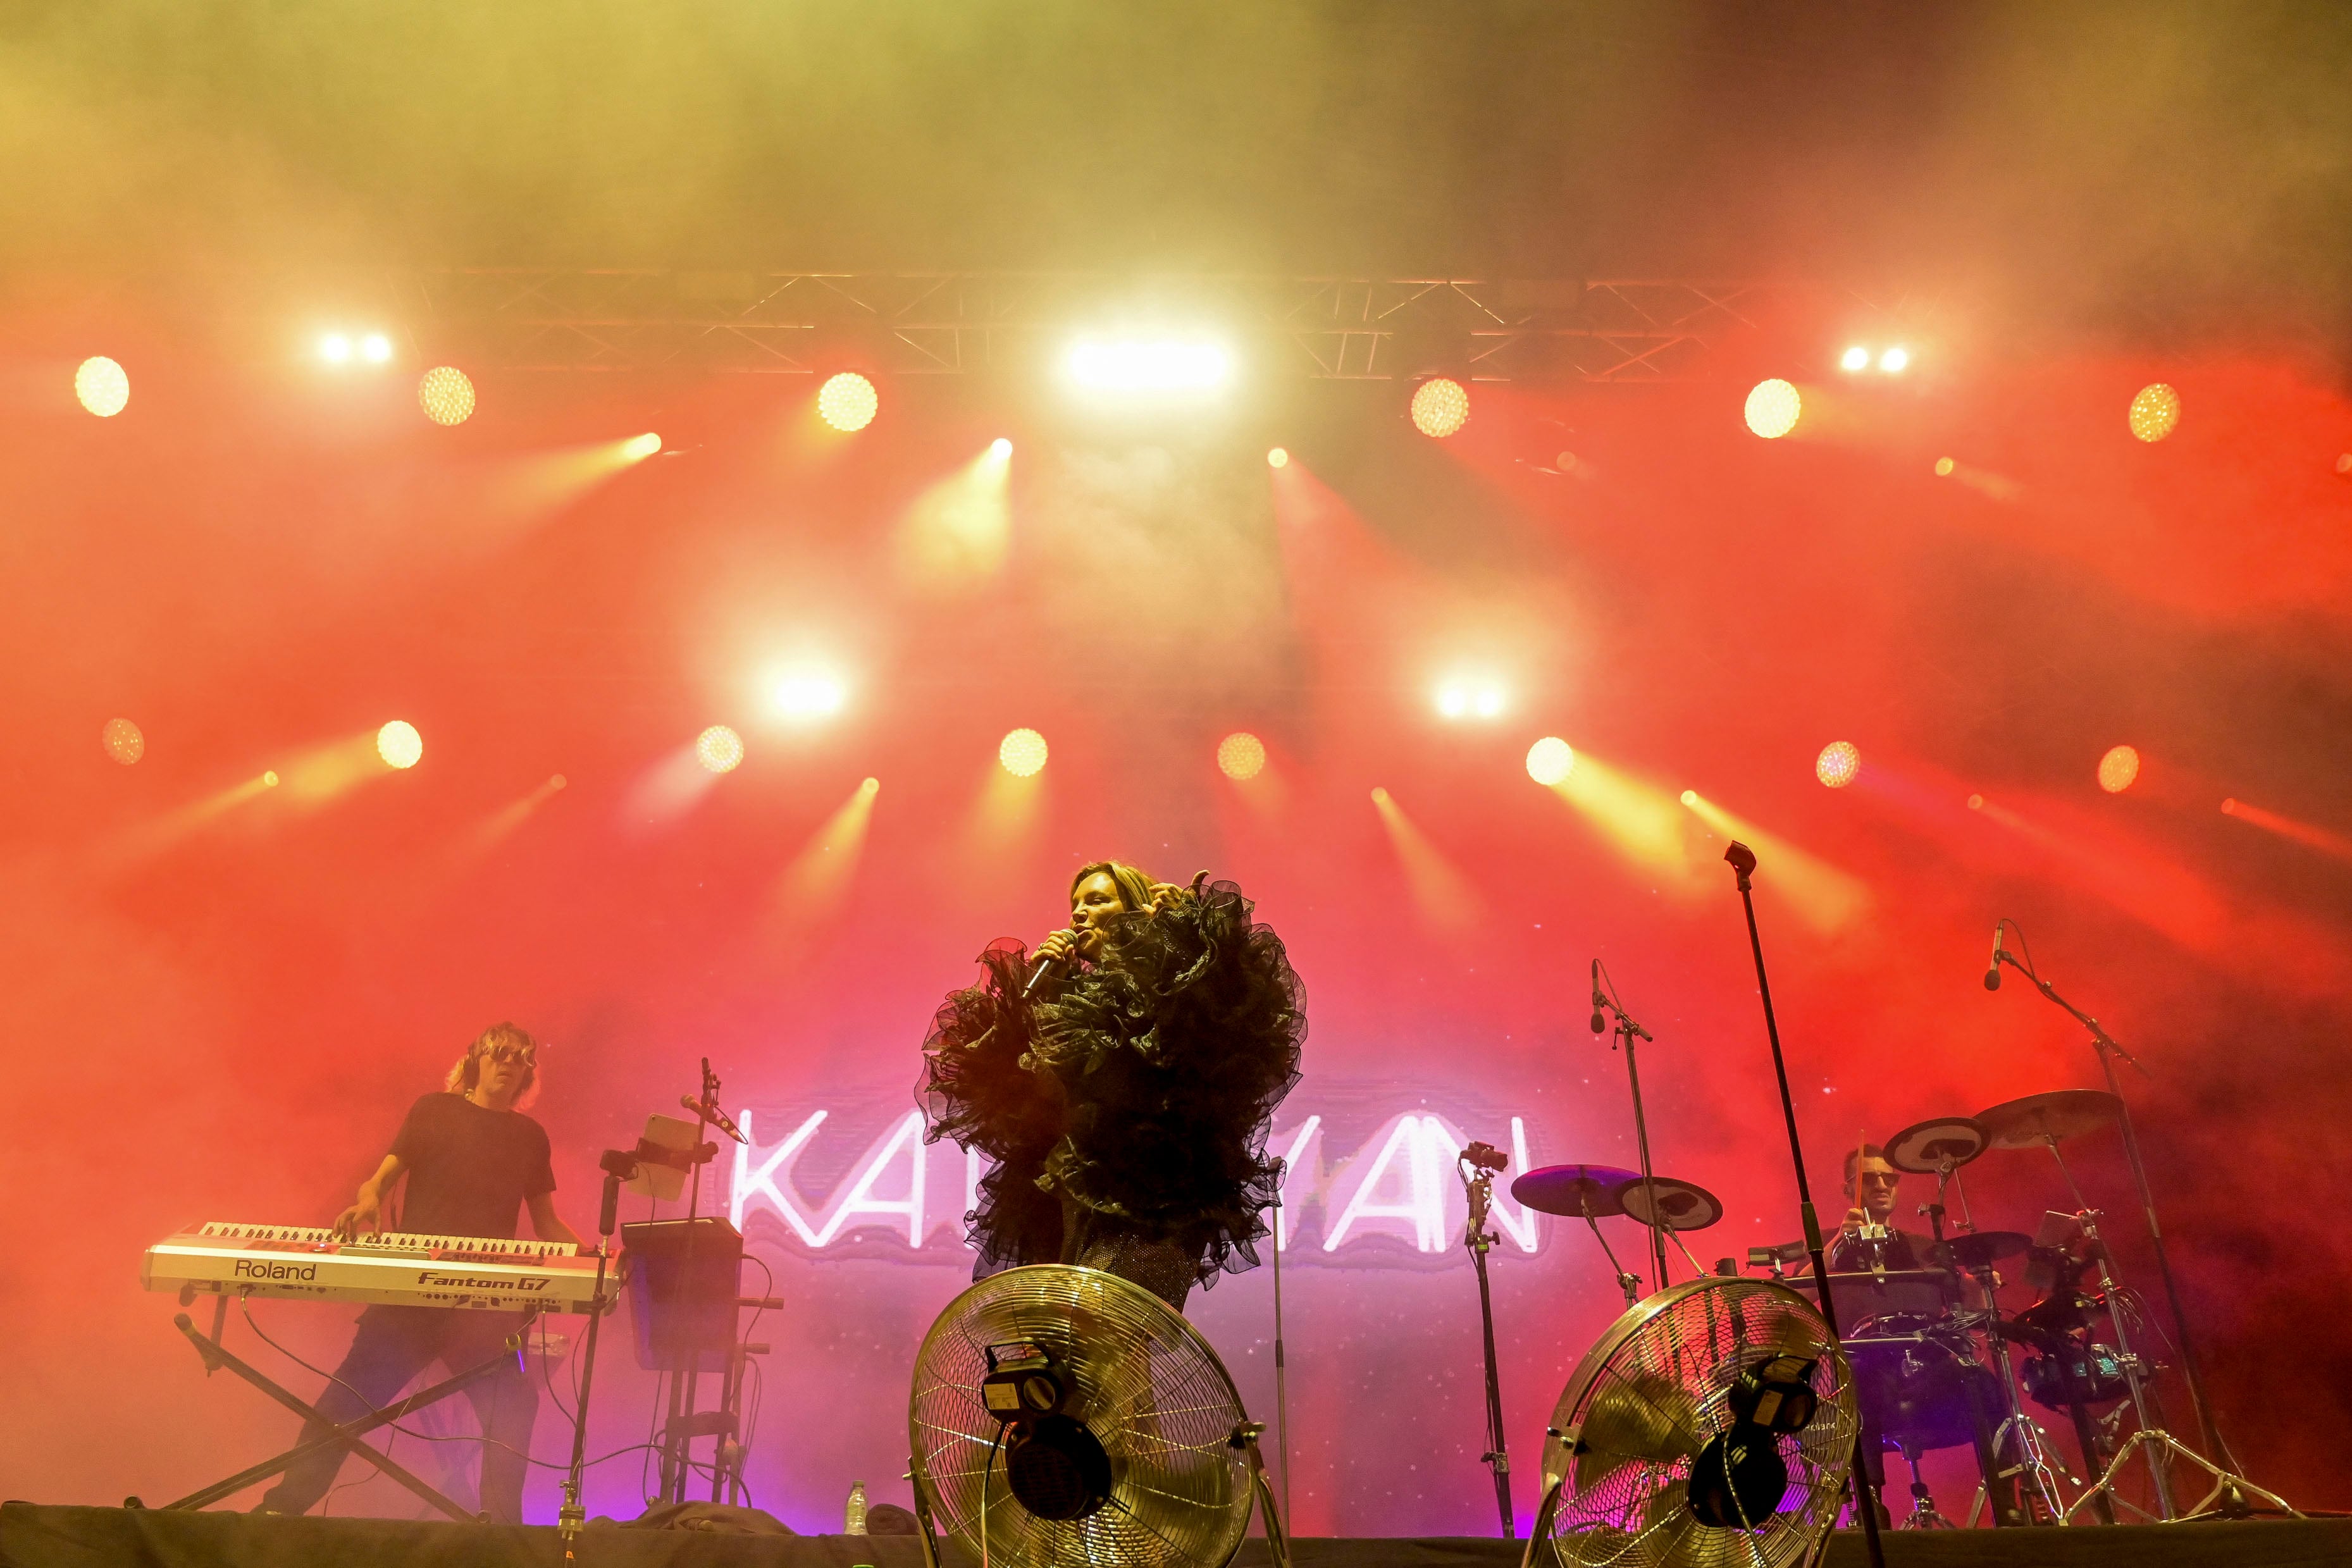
1127 1115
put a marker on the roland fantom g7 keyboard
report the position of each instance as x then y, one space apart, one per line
478 1272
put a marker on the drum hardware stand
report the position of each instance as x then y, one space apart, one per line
345 1434
1742 861
1629 1283
2228 1492
1477 1166
1924 1514
2034 1465
1628 1031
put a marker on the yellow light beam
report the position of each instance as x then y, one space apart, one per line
1822 896
512 815
956 536
813 886
160 834
1640 821
1445 898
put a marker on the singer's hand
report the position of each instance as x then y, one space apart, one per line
1061 948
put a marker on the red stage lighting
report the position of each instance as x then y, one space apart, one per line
2155 412
1838 763
122 741
1241 755
1441 405
1772 409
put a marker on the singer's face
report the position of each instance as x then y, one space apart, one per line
1093 902
1875 1183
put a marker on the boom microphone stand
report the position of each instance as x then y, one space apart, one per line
1629 1032
2229 1488
1477 1165
1865 1497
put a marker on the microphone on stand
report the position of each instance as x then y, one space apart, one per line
1597 1024
1993 969
710 1111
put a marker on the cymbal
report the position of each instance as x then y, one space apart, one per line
1923 1147
1682 1206
1980 1249
2059 1113
1568 1191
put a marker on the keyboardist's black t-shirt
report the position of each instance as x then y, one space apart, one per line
469 1170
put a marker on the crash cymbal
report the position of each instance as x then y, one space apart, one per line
1573 1191
2059 1113
1980 1249
1681 1205
1923 1147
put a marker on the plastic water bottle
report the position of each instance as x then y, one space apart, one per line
853 1518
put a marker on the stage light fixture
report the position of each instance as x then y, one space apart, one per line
719 749
641 446
1943 468
376 349
1838 763
1975 802
101 386
809 696
1550 761
2155 411
1895 361
1857 358
122 741
1277 458
335 349
1772 409
399 743
269 779
2118 769
1441 406
1241 755
847 402
1000 449
1022 753
1141 365
445 393
2343 461
1690 796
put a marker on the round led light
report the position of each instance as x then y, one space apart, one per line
1772 409
2155 411
1838 764
122 741
445 393
849 401
1022 753
718 748
1241 755
1277 458
1550 761
399 743
2118 769
1854 359
1441 406
102 386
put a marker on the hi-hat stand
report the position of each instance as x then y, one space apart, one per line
1742 861
2228 1492
1477 1165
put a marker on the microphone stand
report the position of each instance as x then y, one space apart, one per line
1628 1031
618 1166
1478 1186
1742 861
2229 1488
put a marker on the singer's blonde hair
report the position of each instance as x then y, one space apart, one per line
467 1071
1134 883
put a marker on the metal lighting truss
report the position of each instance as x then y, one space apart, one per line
951 323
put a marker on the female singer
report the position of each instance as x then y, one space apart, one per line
1124 1084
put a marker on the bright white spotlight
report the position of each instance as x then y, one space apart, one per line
638 447
1000 449
1895 360
1454 702
1854 359
102 386
335 349
1487 701
375 348
1139 365
1550 761
809 696
399 743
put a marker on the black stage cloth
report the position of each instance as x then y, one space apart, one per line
32 1536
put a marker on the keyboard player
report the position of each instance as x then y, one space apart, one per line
471 1162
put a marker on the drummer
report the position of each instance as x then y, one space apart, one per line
1869 1239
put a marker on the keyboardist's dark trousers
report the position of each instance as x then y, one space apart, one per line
392 1345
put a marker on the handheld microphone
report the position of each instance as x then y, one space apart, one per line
710 1111
1993 969
1037 976
1597 1024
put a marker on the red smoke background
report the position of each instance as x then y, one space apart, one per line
225 1020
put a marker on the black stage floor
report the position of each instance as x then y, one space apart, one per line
32 1536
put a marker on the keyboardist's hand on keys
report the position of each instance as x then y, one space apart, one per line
360 1219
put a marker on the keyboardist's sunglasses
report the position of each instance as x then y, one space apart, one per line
511 1056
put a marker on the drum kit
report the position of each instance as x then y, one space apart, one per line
1939 1362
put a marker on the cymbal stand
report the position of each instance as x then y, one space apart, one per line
1629 1283
2032 1459
2230 1489
1478 1186
1628 1031
1742 861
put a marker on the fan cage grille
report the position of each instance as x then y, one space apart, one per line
1144 1382
1652 1393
